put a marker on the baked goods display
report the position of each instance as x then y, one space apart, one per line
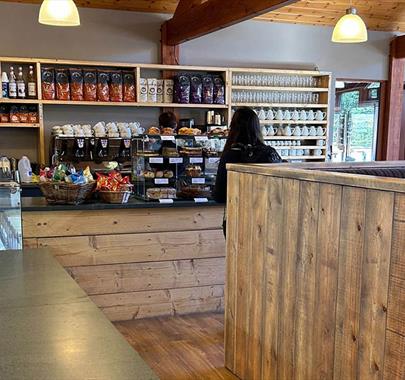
156 193
168 131
169 151
193 170
189 131
153 131
191 151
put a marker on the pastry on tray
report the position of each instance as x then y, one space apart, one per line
161 193
169 152
153 131
193 170
168 131
191 151
189 131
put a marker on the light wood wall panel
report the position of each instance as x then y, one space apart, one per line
138 263
313 283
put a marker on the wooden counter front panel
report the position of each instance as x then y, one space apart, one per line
138 263
310 275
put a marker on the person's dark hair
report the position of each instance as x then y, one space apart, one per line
168 120
244 129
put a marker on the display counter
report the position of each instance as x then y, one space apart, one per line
316 271
137 260
51 330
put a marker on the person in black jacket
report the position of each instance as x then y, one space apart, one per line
244 145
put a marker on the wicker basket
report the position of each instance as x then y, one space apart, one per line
115 196
66 193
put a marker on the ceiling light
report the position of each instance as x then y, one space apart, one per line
59 13
350 28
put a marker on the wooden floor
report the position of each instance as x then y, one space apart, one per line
180 348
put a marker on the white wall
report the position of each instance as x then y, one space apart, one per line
135 37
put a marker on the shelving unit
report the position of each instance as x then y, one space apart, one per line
320 84
165 71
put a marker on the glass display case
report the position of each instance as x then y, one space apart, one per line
176 166
10 216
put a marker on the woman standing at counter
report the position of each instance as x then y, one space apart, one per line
245 144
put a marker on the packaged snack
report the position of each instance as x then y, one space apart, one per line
62 84
207 89
152 89
195 89
129 86
182 89
103 90
23 114
48 83
168 90
76 84
32 114
90 85
4 113
219 90
14 114
159 91
143 94
116 86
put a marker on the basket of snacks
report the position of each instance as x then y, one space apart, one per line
113 188
65 186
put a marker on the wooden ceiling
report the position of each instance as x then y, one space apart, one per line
386 15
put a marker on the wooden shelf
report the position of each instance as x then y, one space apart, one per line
280 105
19 101
19 125
279 88
127 104
297 122
294 137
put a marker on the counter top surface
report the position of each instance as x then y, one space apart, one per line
51 330
333 173
39 204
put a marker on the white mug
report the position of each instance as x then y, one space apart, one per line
304 131
317 152
271 131
312 131
310 115
262 114
320 142
295 115
279 132
279 115
320 115
320 131
297 131
264 131
287 115
303 115
270 115
287 131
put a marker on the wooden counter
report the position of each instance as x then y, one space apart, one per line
136 262
315 273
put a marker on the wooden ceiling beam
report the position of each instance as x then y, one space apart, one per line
213 15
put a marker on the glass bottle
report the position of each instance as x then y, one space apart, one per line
20 84
4 84
12 85
32 85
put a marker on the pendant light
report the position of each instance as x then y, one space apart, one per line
350 28
59 13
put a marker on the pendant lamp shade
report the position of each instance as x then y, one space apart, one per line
59 13
350 28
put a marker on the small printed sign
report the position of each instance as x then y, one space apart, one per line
213 160
200 138
175 160
156 160
167 138
199 181
166 201
161 181
200 200
196 160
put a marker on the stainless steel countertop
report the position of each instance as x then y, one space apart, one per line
51 330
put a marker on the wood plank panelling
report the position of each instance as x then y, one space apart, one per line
398 251
101 279
144 304
326 274
394 357
135 248
107 222
396 309
278 361
325 253
374 283
349 281
231 286
399 213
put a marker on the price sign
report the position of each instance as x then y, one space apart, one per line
161 181
175 160
166 201
213 160
200 200
200 138
199 181
156 160
196 160
167 138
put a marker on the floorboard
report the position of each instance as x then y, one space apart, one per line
182 347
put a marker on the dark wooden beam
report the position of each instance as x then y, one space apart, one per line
398 47
213 15
393 126
169 54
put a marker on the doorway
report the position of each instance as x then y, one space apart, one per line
356 120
